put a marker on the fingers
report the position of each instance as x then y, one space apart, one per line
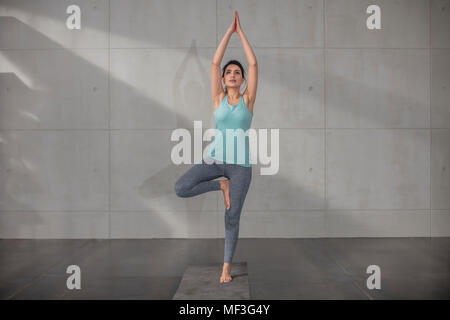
233 24
236 23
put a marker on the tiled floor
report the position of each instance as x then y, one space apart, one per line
319 268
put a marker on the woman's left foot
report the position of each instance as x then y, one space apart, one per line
226 277
225 187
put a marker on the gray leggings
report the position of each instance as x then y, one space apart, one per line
199 179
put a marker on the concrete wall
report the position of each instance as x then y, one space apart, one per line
86 117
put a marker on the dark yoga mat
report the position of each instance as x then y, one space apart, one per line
201 282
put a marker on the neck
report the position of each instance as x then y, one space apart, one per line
233 93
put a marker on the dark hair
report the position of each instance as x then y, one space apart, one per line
236 63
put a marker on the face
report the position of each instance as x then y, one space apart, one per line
233 76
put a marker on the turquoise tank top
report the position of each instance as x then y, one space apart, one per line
227 116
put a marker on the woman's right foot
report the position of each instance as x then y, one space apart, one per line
225 187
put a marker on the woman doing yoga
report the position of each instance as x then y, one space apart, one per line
231 111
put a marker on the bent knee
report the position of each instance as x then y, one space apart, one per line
180 189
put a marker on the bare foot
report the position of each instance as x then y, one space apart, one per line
226 277
225 187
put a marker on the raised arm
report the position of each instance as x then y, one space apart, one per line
252 81
216 77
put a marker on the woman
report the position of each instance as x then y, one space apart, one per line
231 111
